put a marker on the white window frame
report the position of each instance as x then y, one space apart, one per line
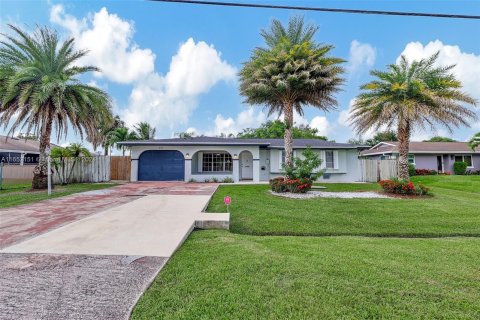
333 159
224 163
463 158
411 156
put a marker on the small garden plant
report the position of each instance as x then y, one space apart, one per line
300 175
404 187
460 168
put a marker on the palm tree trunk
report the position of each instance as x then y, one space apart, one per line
403 148
288 114
40 172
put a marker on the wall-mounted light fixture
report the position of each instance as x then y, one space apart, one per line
235 156
187 155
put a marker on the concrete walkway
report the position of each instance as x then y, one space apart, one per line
153 225
98 253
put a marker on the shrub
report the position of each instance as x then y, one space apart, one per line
214 179
277 185
227 180
473 172
425 172
399 186
207 180
411 170
460 168
304 168
191 180
281 185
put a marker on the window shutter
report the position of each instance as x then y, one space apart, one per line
323 158
335 159
200 161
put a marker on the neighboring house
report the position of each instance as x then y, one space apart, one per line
202 158
438 156
18 151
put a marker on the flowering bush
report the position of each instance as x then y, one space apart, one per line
290 185
425 172
399 186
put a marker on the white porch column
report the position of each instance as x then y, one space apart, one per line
133 170
256 170
236 170
188 168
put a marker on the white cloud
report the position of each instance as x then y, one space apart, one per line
109 41
166 101
345 114
245 119
321 124
361 54
467 67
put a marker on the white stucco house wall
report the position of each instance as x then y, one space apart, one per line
202 158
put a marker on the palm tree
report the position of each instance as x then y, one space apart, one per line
60 157
290 73
475 141
409 95
144 131
40 91
104 132
119 135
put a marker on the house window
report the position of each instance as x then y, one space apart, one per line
283 158
329 160
467 159
411 158
217 162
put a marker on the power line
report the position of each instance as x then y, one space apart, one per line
355 11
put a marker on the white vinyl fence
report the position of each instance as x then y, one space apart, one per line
87 169
375 170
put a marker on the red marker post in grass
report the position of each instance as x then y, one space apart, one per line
227 201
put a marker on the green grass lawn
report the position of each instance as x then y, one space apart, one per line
453 209
248 274
220 275
13 194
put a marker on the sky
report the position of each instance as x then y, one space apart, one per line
175 65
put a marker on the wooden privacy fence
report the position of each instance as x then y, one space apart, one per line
17 172
120 168
375 170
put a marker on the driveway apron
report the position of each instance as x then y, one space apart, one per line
91 255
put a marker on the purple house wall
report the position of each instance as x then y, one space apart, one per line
429 161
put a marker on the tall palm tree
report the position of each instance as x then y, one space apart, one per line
409 95
475 141
105 131
144 131
119 135
40 91
290 73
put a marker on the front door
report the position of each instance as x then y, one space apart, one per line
246 166
264 165
439 163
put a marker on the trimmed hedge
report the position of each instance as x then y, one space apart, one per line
281 185
460 168
399 186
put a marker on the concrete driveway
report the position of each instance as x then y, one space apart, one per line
99 251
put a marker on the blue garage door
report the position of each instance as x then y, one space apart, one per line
161 165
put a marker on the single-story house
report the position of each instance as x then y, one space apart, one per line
18 151
438 156
202 158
